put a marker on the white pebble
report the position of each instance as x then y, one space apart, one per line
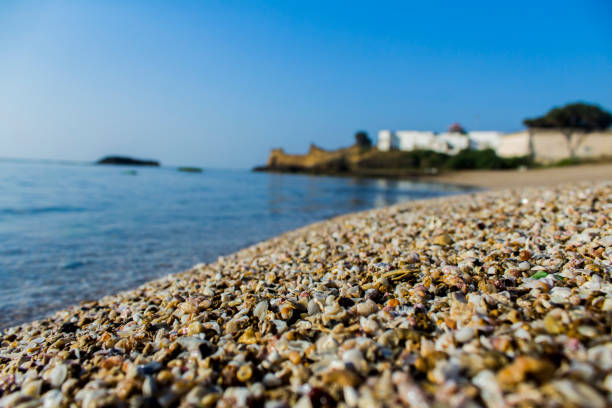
58 375
367 308
260 310
464 334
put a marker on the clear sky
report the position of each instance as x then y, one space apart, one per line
219 83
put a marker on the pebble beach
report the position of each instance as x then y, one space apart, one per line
495 299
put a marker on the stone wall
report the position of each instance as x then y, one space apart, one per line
552 145
315 158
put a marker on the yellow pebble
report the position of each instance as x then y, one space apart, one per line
194 328
244 373
294 357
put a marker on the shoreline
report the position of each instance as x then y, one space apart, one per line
489 179
392 304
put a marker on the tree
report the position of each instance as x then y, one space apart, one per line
362 139
571 118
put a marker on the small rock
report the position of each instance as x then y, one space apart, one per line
260 310
553 325
443 240
516 372
580 394
52 399
248 337
244 373
341 377
57 375
491 392
464 334
366 308
351 397
313 307
148 386
148 369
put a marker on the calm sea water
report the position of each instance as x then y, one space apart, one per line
74 232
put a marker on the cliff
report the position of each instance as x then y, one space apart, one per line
317 160
353 160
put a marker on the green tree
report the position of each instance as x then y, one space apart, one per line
362 139
571 118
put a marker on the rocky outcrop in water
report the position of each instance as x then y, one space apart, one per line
127 161
354 160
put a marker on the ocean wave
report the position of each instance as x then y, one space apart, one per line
39 210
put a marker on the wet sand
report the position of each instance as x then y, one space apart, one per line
500 298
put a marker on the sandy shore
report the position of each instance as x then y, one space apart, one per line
500 298
498 179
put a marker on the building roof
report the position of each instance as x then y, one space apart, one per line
456 128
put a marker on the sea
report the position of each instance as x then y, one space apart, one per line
71 232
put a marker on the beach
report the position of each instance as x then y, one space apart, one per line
498 179
499 298
72 233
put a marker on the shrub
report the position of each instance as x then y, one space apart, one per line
485 159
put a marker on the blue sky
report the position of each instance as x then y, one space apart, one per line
219 83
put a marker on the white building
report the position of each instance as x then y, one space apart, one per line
414 139
387 140
447 142
485 139
451 142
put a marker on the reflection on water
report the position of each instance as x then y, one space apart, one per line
334 195
70 233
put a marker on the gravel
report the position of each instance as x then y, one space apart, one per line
492 299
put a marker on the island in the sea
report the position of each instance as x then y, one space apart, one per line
127 161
